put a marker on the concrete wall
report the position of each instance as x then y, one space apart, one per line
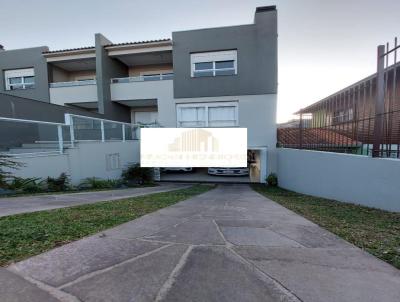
372 182
73 94
106 69
256 46
23 108
26 58
87 160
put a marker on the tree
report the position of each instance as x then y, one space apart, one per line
7 162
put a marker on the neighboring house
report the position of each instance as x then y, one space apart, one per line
345 120
213 77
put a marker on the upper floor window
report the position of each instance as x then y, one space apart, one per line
19 79
213 114
216 63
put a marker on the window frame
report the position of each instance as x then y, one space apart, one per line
19 74
213 57
206 107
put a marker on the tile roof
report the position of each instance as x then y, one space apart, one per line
70 49
314 137
116 44
139 42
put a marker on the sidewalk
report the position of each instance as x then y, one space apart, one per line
26 204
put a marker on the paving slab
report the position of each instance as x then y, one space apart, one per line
68 262
195 232
27 204
256 236
329 275
228 244
14 288
138 281
214 274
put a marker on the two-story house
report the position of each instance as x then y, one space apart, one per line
213 77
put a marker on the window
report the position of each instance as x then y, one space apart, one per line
113 161
223 114
19 79
211 64
157 76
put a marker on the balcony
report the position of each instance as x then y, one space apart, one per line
142 90
80 93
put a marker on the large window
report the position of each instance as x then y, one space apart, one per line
223 114
211 64
19 79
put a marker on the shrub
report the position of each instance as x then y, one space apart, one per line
97 183
272 180
6 162
60 183
134 174
26 185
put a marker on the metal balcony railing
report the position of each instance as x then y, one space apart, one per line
144 78
72 83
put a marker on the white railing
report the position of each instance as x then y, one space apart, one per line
144 78
30 137
72 83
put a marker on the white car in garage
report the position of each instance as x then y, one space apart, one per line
178 169
228 171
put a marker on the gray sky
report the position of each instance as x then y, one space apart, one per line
324 45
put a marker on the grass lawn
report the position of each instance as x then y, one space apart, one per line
26 235
23 194
376 231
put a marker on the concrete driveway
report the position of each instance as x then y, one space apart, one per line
26 204
229 244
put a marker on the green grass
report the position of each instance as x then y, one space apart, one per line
375 231
25 194
26 235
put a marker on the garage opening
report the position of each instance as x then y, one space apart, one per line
253 173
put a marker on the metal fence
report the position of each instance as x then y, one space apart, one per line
363 118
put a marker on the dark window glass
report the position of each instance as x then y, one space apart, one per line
15 80
203 73
203 65
224 72
224 64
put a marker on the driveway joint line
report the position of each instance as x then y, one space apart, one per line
98 272
165 288
53 291
280 286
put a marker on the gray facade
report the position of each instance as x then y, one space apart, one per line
107 68
27 58
256 46
25 108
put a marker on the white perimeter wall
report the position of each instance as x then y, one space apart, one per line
86 160
373 182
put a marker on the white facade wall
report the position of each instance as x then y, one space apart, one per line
88 159
73 94
257 113
372 182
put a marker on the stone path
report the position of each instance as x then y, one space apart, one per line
26 204
230 244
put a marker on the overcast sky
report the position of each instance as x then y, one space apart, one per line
324 45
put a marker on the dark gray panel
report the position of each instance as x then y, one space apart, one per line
256 46
27 58
107 68
23 108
